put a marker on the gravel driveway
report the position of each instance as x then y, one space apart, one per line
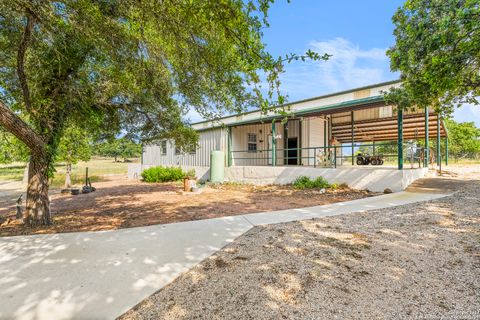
416 261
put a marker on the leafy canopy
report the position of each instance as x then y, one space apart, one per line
464 139
437 51
134 66
121 147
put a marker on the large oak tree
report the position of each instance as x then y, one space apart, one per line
125 65
437 51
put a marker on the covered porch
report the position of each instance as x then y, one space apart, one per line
333 136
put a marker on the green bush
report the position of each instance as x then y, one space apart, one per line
304 182
163 174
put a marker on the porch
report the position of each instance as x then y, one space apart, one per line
333 136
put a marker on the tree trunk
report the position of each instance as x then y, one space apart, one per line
38 204
68 176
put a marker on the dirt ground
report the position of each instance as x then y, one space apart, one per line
120 203
418 261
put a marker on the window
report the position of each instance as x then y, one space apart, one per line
163 147
252 142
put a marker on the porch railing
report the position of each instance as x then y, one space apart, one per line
328 157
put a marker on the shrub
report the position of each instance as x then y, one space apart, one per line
304 182
163 174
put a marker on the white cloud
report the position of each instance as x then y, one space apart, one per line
350 66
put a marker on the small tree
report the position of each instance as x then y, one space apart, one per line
437 53
74 146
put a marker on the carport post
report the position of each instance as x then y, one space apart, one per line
446 150
400 138
274 144
439 158
427 150
229 147
353 138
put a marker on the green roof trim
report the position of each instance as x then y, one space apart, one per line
306 100
341 105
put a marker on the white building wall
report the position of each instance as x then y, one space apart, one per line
215 139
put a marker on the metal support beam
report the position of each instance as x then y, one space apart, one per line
285 142
353 136
274 144
324 133
400 138
439 158
446 151
427 150
229 147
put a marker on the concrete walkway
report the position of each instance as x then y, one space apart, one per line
100 275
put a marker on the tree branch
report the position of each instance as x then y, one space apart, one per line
13 124
22 49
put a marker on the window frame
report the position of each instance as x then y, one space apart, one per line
252 142
163 147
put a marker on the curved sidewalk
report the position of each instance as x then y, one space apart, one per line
100 275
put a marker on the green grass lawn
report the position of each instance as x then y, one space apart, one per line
97 169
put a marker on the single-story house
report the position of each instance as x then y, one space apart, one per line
321 136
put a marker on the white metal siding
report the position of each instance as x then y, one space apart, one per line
209 140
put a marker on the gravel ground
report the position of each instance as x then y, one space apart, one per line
120 203
419 261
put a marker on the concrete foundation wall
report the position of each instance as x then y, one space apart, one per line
358 178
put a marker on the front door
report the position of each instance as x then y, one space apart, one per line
292 143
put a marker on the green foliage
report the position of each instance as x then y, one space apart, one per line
437 52
122 147
12 149
74 146
163 174
304 182
191 173
464 139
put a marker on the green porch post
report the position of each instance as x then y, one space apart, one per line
274 144
229 150
439 158
353 137
325 136
446 150
427 150
400 138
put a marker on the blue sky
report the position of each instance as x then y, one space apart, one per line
357 33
